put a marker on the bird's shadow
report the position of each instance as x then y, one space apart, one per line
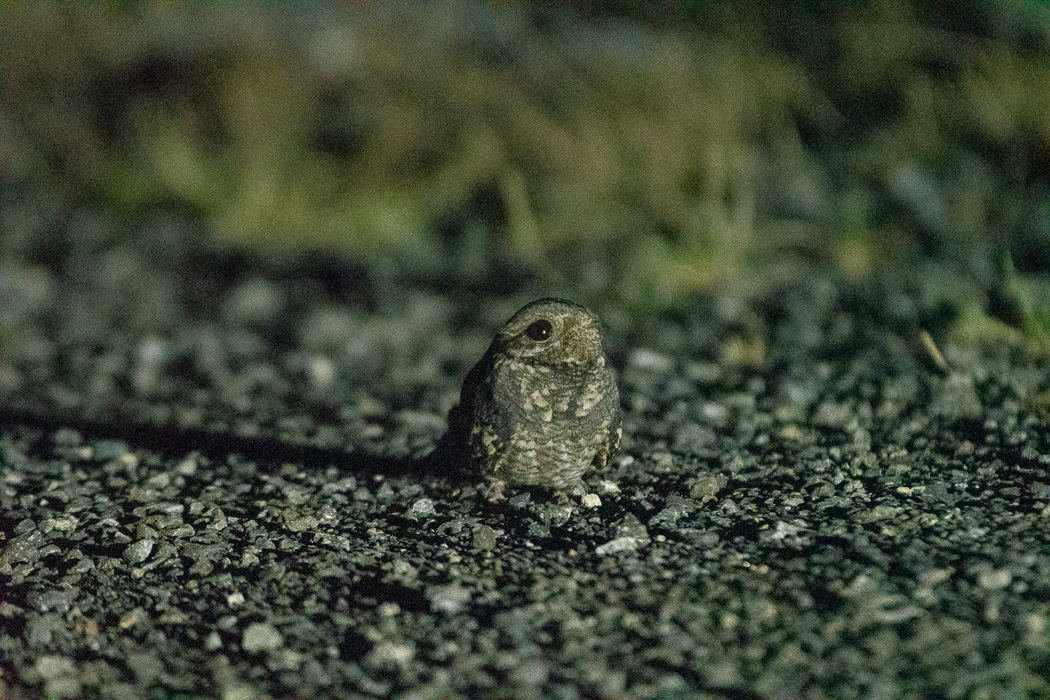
269 453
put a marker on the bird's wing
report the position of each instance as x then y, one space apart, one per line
483 428
614 431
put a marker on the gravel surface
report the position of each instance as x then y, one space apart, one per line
215 483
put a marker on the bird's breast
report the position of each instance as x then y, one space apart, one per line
549 394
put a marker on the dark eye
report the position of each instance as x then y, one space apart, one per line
539 330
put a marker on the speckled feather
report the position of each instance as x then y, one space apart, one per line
541 411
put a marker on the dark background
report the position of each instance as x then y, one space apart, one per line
625 154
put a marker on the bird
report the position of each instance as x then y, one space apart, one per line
541 406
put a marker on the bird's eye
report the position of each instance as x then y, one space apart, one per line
539 330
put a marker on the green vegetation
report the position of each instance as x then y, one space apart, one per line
631 156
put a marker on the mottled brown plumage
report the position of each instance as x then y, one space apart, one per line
541 406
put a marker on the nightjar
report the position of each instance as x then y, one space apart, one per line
541 406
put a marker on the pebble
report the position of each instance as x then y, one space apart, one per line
651 360
139 551
631 534
591 500
484 538
423 508
261 636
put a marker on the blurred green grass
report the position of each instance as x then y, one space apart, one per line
634 152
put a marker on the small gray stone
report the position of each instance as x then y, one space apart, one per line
484 538
22 548
591 500
423 508
651 360
630 535
995 579
261 636
50 667
54 600
449 599
389 654
705 488
67 437
106 450
297 522
41 629
213 641
138 552
617 545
